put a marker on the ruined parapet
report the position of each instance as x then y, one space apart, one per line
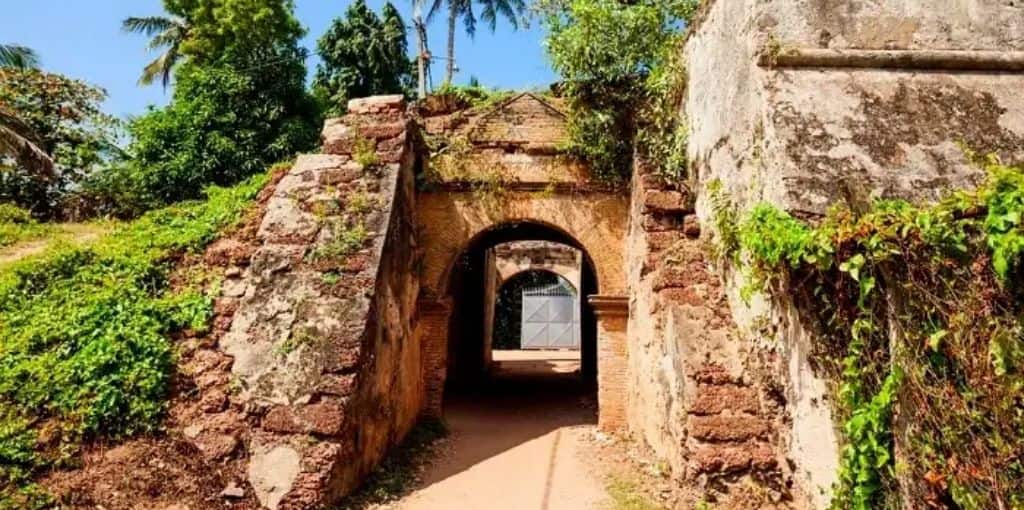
692 396
807 104
325 363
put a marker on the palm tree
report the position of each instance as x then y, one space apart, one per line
17 139
167 33
510 9
17 56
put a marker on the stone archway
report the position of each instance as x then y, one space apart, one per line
452 225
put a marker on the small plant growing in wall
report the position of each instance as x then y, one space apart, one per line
364 152
347 240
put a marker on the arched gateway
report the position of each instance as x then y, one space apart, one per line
511 184
354 310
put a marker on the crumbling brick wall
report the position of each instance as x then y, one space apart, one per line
696 397
324 365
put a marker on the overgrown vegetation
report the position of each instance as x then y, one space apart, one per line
395 476
64 118
624 80
17 224
921 310
473 95
85 351
626 495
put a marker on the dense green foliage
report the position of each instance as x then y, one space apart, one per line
85 350
17 224
220 127
239 104
922 315
363 55
623 79
64 118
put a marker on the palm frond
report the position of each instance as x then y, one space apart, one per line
148 25
18 141
17 56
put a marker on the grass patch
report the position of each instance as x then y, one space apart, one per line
17 225
397 473
626 495
84 348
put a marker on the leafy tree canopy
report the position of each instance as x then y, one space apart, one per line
622 75
220 127
239 104
240 31
363 55
64 117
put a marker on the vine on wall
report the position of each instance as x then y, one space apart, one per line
921 315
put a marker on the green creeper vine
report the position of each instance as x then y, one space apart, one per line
921 315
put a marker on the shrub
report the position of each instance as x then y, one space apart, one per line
221 126
85 350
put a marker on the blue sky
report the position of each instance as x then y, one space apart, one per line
82 39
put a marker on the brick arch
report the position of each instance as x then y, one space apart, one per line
453 220
533 230
595 223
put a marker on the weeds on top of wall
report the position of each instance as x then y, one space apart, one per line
624 81
85 352
473 95
921 311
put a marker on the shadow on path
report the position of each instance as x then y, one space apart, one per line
514 441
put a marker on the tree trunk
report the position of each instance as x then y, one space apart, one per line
452 18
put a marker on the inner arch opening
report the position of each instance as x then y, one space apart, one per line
474 293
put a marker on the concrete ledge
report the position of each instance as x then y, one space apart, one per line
940 60
609 306
554 188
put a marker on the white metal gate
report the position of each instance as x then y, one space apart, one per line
551 318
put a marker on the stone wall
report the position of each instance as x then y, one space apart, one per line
805 104
325 361
693 396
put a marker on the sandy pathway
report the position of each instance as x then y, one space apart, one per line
78 233
516 445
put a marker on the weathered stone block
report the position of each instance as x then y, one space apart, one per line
377 104
715 399
667 202
728 428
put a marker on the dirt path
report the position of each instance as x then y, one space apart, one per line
517 444
70 232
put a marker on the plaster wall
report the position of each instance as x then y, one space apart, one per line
770 125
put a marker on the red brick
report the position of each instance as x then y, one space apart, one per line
668 277
226 252
382 130
711 373
728 428
691 226
324 418
667 201
215 446
714 399
659 241
281 419
661 222
733 459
